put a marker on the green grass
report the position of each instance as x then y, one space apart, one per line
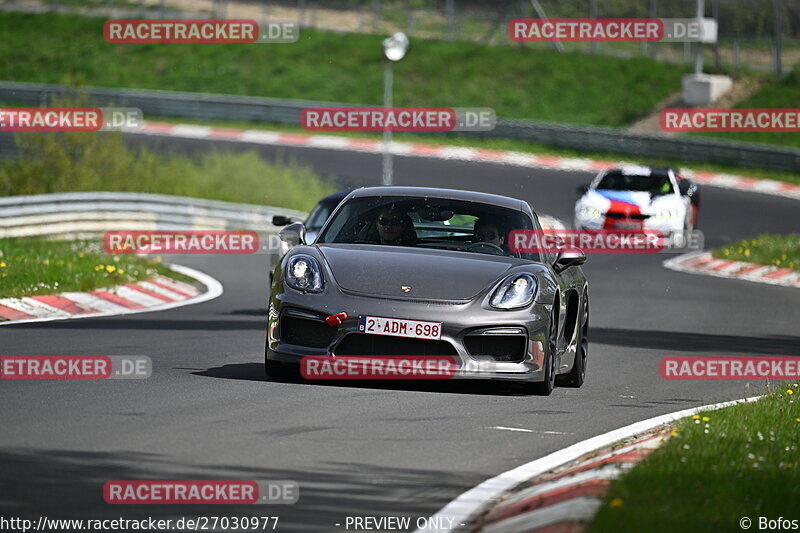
33 266
509 144
767 249
515 81
740 461
81 161
777 94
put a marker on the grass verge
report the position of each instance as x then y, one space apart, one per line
739 461
768 249
32 266
516 81
776 94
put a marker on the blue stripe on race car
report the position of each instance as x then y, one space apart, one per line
619 196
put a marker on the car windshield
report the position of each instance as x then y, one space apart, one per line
318 216
427 223
655 184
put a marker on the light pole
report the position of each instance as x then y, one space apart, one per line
698 52
394 48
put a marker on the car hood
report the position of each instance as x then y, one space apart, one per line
383 271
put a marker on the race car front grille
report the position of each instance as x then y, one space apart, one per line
365 344
505 348
632 216
314 333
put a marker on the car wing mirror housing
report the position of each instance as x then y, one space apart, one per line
283 220
293 234
684 187
568 258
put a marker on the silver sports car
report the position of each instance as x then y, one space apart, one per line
390 259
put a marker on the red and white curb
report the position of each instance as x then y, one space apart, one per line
157 294
470 506
460 153
568 498
705 263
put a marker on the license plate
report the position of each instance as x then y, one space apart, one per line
628 225
398 327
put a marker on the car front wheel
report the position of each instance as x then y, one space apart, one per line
577 375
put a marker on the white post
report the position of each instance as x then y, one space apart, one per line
776 37
698 53
387 133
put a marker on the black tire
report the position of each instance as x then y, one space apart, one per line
696 199
577 375
281 371
545 388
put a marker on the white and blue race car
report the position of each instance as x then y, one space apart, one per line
638 198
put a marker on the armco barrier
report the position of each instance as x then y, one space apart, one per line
199 106
91 213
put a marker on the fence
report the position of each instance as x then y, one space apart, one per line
273 110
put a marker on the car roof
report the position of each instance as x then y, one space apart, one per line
449 194
337 196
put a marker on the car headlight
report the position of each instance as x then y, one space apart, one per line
590 212
515 291
303 273
666 214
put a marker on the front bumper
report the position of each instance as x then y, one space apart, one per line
460 321
613 224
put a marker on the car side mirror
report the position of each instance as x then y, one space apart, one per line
684 186
293 234
283 220
568 258
582 189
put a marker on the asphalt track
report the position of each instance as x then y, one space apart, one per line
209 412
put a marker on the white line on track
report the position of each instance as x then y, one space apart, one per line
468 504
